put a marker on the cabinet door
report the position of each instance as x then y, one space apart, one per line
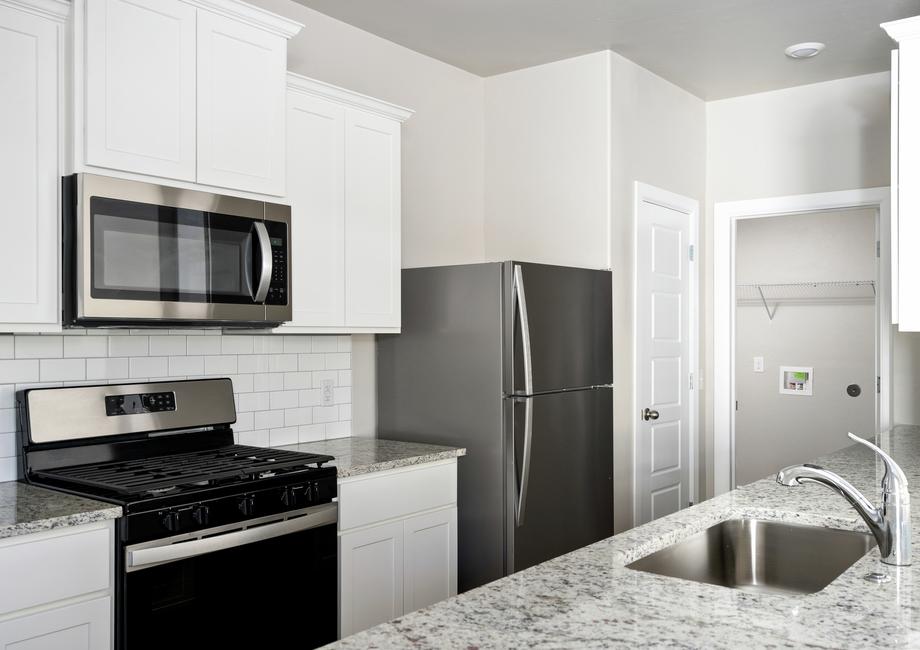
82 626
140 86
241 105
430 563
29 244
370 577
316 188
372 221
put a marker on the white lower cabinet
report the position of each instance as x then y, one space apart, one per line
407 561
56 591
82 626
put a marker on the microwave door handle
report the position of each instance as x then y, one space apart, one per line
265 272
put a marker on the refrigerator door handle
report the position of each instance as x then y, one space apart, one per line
520 302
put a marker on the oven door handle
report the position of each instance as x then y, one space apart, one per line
265 272
152 555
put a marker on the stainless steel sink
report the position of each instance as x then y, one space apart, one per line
761 556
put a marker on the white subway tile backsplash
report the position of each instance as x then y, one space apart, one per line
236 344
39 347
297 416
269 419
221 364
111 369
296 344
325 344
167 346
62 369
338 361
186 366
84 346
276 378
128 346
325 413
284 399
311 432
7 346
311 362
283 436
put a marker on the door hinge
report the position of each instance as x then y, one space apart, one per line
737 405
878 384
878 248
691 252
691 381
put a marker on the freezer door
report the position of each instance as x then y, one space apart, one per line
569 317
568 502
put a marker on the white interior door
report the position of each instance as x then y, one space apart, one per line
665 227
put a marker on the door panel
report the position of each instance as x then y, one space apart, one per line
370 576
571 331
569 498
662 360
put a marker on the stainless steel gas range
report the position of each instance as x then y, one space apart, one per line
220 545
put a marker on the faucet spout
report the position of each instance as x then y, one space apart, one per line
890 524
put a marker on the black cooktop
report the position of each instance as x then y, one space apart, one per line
181 472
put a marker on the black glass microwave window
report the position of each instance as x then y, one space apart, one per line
158 253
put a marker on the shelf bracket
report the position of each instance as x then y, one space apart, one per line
763 299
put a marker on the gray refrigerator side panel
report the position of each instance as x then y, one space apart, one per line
569 500
440 382
571 327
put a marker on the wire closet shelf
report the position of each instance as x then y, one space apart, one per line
840 291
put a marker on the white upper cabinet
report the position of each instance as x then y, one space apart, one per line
344 186
316 188
31 44
140 86
905 169
187 90
372 220
241 105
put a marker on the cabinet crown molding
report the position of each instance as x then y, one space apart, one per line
55 9
901 30
307 86
250 14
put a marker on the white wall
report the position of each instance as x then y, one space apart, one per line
815 138
547 163
773 430
442 144
658 136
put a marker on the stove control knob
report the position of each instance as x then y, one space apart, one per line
247 505
309 493
171 520
201 515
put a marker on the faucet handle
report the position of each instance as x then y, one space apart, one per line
892 469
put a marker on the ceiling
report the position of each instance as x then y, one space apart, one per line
712 48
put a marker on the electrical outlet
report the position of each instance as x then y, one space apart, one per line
328 389
758 364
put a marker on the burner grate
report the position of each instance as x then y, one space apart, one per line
178 470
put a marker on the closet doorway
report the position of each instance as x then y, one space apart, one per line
802 331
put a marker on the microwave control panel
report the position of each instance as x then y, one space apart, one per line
278 288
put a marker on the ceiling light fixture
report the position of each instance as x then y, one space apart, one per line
804 50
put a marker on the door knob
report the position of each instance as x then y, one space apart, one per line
649 414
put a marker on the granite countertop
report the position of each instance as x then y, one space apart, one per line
28 509
588 599
354 456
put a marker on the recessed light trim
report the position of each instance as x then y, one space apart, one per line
804 50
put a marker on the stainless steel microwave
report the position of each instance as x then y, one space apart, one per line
143 255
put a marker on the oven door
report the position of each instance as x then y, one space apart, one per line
149 253
265 586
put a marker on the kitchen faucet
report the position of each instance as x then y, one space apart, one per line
890 523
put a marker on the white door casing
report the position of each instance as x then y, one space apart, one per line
665 303
725 217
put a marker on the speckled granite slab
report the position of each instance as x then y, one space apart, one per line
354 456
588 599
28 509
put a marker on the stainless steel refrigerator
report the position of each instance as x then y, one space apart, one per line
514 362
